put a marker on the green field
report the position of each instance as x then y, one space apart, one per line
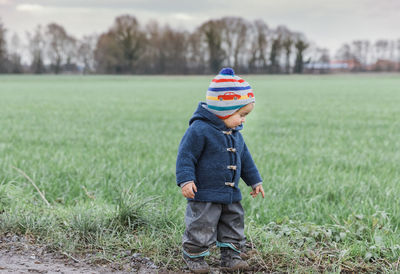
103 151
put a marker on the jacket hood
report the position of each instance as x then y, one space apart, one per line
202 113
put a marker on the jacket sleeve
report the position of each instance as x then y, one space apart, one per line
189 152
249 171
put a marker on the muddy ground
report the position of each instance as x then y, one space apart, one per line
19 254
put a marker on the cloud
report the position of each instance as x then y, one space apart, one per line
29 7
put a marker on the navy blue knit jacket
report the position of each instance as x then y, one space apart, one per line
214 157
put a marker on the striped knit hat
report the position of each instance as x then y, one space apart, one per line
227 93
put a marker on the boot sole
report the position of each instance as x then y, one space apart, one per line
236 267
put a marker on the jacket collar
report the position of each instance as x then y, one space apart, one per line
202 113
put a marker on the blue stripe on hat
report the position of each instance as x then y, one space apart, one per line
225 108
229 88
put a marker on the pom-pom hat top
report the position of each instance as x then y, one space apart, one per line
227 93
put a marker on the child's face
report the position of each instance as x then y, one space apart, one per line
239 116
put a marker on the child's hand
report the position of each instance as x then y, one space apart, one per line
188 190
257 190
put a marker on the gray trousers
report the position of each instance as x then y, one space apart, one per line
207 223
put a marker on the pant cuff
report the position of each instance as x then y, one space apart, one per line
196 255
230 245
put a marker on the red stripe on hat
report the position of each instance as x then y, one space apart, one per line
223 117
227 80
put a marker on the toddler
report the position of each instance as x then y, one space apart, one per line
212 157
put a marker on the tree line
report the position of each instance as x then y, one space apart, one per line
127 47
381 55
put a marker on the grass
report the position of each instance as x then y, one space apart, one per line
103 150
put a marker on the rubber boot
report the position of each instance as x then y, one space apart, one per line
231 260
196 265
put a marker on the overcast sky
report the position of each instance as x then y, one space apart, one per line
327 23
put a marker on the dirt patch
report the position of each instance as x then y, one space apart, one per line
19 255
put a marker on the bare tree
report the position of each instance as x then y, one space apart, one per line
153 59
3 50
107 54
119 50
174 50
366 56
36 45
357 52
86 53
234 35
258 60
15 56
196 54
274 55
287 45
61 46
276 48
301 45
344 53
212 32
71 53
398 54
166 50
392 59
381 50
130 39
